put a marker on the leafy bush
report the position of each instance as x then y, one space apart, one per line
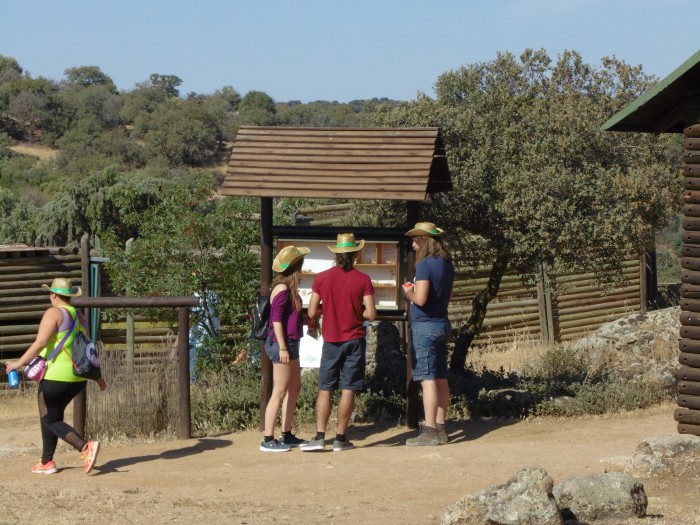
559 383
226 401
604 397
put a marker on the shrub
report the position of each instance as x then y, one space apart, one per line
226 401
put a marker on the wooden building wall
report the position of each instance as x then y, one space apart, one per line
688 413
22 300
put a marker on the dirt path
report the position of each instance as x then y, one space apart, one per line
227 480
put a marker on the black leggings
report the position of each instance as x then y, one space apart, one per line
54 397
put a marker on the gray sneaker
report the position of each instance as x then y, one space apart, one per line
428 437
312 445
442 433
340 446
274 446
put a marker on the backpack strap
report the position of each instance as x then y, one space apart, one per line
58 347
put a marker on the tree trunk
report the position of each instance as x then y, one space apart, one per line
480 303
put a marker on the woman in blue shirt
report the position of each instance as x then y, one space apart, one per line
430 329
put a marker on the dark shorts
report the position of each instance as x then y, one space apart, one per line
272 349
429 349
342 364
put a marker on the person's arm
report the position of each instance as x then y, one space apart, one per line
278 327
370 311
314 310
418 293
47 329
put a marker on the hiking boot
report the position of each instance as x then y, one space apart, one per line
292 440
340 446
428 437
442 433
45 468
274 446
90 453
313 444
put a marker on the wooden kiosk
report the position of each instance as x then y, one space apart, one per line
340 163
673 106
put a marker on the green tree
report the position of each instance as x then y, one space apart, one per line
222 107
147 96
257 108
183 132
191 243
86 76
17 219
537 184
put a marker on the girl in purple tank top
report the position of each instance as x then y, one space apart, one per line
282 347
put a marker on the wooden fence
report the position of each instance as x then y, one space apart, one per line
519 312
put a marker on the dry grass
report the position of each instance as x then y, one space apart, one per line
35 150
17 404
141 401
512 356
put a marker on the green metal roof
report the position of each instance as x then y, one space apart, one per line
662 108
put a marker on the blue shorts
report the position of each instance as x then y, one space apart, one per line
272 349
429 349
342 364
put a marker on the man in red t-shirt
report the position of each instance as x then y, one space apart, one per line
346 296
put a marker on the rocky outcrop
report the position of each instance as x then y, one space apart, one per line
670 454
531 498
601 497
639 346
526 498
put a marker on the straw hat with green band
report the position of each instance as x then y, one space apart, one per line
346 243
61 286
287 256
425 228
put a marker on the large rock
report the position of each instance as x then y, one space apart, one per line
601 497
639 346
526 498
385 369
670 454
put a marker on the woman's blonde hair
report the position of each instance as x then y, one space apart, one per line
430 247
291 277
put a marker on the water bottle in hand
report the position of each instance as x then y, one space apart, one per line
13 378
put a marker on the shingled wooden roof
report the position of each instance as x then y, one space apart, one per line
347 163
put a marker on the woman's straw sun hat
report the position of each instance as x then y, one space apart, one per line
425 228
61 286
287 257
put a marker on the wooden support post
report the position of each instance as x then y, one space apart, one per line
80 401
544 301
413 405
265 281
183 371
130 330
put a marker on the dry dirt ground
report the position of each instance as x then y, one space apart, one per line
225 479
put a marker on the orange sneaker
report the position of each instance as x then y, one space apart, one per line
90 453
45 468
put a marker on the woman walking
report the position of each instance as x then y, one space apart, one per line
59 385
282 347
430 329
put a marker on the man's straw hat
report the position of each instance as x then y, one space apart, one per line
345 243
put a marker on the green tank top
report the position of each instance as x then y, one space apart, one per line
60 368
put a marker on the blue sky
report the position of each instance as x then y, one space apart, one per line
329 50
